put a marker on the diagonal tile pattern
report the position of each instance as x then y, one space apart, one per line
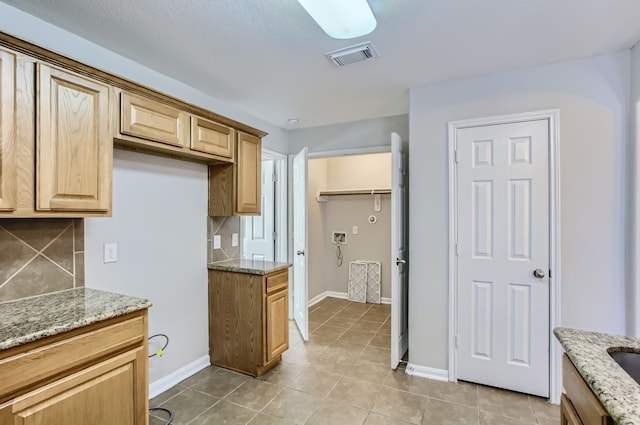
40 255
341 376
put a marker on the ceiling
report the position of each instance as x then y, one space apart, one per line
266 57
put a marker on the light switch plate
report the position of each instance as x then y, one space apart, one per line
110 252
216 242
234 239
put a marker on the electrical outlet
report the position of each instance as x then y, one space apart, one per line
234 239
355 230
216 242
110 252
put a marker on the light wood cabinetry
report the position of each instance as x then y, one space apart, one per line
579 406
94 375
154 127
8 158
237 189
213 138
151 120
74 144
248 320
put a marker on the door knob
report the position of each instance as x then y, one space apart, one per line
538 273
399 261
300 252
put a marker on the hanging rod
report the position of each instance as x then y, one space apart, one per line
323 195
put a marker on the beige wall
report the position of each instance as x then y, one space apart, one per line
359 171
38 256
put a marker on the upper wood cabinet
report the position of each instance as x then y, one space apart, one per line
210 137
8 159
248 179
151 126
74 143
236 189
151 120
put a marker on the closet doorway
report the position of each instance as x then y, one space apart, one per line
351 219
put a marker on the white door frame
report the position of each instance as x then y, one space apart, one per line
555 353
281 203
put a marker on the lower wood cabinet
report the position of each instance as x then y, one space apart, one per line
95 375
248 320
580 406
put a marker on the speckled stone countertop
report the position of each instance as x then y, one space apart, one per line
589 352
241 265
30 319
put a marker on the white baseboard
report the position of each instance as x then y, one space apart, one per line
343 295
427 372
163 384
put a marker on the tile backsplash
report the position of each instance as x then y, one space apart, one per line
40 255
225 227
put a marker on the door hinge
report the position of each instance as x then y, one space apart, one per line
274 235
274 177
458 248
456 340
456 156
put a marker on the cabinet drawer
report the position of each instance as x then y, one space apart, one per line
585 403
20 370
151 120
277 282
210 137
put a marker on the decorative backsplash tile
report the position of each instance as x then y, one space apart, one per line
225 227
40 255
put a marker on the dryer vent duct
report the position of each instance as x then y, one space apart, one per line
352 54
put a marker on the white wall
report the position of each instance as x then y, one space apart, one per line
160 225
375 132
633 221
37 31
592 96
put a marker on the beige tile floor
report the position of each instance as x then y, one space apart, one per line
341 376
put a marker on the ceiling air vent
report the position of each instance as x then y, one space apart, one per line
352 54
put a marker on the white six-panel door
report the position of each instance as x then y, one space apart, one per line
258 242
300 245
399 257
503 238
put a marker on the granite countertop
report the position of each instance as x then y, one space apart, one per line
589 352
241 265
30 319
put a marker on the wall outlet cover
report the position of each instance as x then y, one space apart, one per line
355 230
217 242
110 252
234 239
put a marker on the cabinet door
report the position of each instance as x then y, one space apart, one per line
104 394
8 159
277 324
248 184
74 145
151 120
210 137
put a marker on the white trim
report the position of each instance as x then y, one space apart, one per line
355 151
552 116
163 384
342 295
427 372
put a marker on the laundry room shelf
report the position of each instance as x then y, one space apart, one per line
325 195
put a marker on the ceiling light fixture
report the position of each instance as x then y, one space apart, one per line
341 19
